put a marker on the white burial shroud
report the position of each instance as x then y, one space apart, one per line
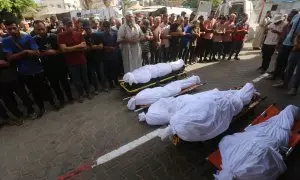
150 95
145 73
255 153
200 116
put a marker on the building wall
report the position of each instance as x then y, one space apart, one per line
64 4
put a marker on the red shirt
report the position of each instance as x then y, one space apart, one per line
240 36
72 39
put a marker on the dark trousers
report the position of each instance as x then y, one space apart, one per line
184 52
192 54
146 56
200 48
175 48
110 66
208 44
165 53
281 61
293 62
217 49
267 53
6 91
92 73
236 48
38 87
227 48
80 78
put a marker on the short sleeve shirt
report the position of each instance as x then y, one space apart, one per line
7 73
176 28
209 24
293 31
165 30
273 38
27 65
72 39
240 36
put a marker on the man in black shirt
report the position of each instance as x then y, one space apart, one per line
176 32
52 61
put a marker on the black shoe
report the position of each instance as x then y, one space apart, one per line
89 96
80 99
62 104
71 101
41 113
16 122
229 58
96 92
237 58
55 107
271 77
32 115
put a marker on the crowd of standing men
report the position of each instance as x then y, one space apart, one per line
92 55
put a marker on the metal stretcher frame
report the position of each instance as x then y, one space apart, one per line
161 80
216 159
183 91
257 98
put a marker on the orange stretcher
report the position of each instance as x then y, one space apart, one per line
272 110
257 99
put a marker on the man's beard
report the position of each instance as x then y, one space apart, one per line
130 23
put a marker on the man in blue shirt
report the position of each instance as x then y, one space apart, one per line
22 49
287 46
185 40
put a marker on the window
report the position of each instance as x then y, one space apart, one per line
59 6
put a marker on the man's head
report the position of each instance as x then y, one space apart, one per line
112 21
201 19
291 15
183 13
40 28
68 25
211 15
24 25
222 19
12 28
268 14
179 21
53 20
129 18
172 18
118 22
145 23
165 18
245 17
157 21
94 24
192 16
186 21
106 26
86 26
232 17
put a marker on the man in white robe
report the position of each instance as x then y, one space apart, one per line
129 36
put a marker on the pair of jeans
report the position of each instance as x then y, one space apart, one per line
6 91
146 56
110 66
236 48
217 49
281 61
165 53
80 78
92 73
267 53
207 45
293 62
175 48
192 54
184 52
227 48
39 88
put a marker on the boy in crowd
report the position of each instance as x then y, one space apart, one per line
207 39
176 32
145 43
239 36
219 31
227 38
165 42
156 39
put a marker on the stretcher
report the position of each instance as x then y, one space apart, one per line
135 88
183 91
215 157
256 99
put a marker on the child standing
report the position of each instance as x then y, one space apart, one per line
219 31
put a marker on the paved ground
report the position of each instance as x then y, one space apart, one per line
61 141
